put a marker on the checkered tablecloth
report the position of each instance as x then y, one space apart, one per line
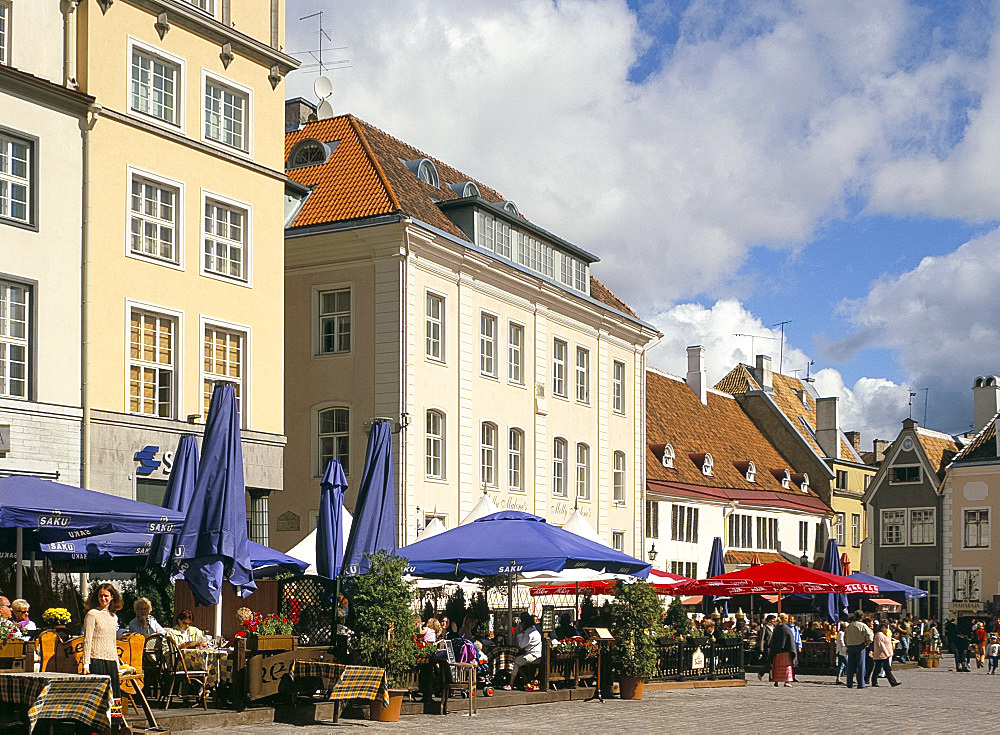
51 695
215 662
347 682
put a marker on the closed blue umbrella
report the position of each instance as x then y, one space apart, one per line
374 525
831 606
890 587
716 566
180 490
329 528
212 546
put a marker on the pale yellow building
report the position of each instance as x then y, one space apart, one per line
417 294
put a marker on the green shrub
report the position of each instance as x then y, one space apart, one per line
635 616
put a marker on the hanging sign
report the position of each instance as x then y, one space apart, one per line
698 659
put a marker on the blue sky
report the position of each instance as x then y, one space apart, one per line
832 164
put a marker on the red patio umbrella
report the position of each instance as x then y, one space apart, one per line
663 583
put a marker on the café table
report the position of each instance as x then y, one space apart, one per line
213 660
345 682
57 696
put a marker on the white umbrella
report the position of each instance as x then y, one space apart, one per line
481 509
306 548
431 529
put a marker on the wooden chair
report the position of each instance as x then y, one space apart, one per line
180 673
46 645
155 660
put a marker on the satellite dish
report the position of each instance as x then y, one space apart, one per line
322 87
324 111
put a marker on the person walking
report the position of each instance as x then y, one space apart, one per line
841 652
978 640
993 652
882 653
797 637
781 652
857 638
763 645
905 630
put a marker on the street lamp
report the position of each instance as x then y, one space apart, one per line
652 552
804 560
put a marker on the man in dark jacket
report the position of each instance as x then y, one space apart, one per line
763 644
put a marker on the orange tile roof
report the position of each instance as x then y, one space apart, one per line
366 176
675 416
983 444
939 448
747 557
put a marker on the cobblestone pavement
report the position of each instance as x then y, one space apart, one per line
929 700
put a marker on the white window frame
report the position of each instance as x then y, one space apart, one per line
932 601
435 444
515 460
804 537
209 77
856 530
337 317
177 262
559 368
247 279
246 396
178 357
515 353
6 23
920 474
954 583
8 138
26 343
618 387
334 435
668 456
909 526
488 464
652 519
583 471
488 344
618 477
559 479
989 529
205 6
430 324
739 531
180 91
881 526
618 540
582 373
684 523
840 529
767 533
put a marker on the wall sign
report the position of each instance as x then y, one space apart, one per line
697 659
148 463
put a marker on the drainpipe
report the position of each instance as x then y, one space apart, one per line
69 43
93 112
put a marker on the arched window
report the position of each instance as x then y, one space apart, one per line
618 477
510 208
786 479
559 467
707 464
434 445
310 152
804 485
334 434
425 170
515 461
583 471
751 472
465 189
489 454
668 456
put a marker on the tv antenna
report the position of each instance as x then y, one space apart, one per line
752 338
781 351
320 34
809 378
926 391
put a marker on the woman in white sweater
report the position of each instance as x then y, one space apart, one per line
100 631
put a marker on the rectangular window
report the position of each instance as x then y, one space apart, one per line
977 529
685 568
580 276
684 524
4 32
434 467
906 474
582 375
223 362
652 519
153 219
434 329
583 472
566 269
226 115
559 468
154 86
893 527
855 530
515 353
488 345
618 387
928 607
225 239
15 308
967 585
493 234
207 5
559 368
839 530
515 461
819 540
842 479
16 166
618 540
922 526
151 364
334 438
804 537
335 321
618 478
767 533
488 455
740 531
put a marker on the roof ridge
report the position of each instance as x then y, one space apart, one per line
664 374
973 444
373 159
934 434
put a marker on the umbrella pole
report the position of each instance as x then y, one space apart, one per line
218 617
779 603
19 533
510 608
577 621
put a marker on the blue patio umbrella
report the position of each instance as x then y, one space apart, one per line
831 606
890 587
180 490
212 545
329 525
374 525
716 566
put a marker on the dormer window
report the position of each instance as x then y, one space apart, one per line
425 170
465 189
804 485
706 465
310 152
668 456
786 480
511 208
751 473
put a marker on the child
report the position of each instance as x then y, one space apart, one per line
993 653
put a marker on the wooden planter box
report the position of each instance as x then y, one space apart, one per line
17 655
272 642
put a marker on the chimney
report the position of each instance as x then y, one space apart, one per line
697 379
985 400
878 449
828 427
298 112
854 437
762 373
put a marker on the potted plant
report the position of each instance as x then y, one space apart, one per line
56 617
380 621
269 633
635 617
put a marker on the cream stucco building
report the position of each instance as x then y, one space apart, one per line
417 294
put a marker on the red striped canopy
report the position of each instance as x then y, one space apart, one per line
776 578
663 583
